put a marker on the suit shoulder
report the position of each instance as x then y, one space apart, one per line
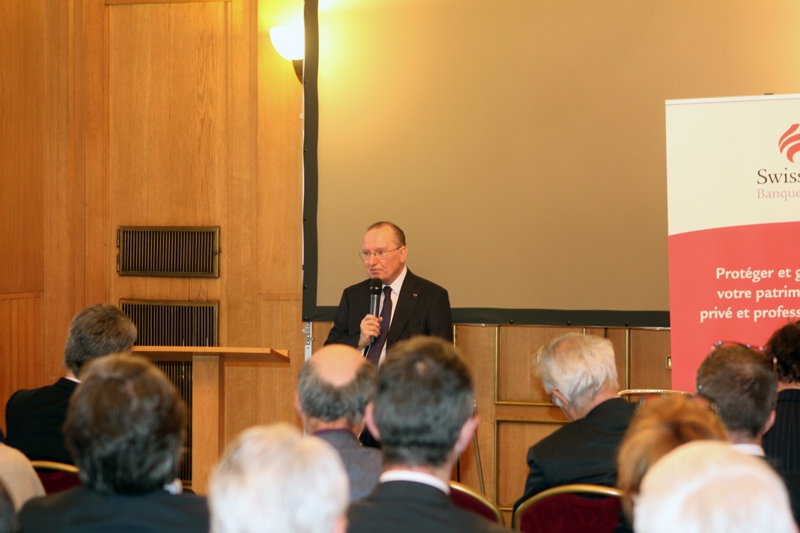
358 287
426 284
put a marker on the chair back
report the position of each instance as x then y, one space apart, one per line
466 498
564 510
56 477
647 394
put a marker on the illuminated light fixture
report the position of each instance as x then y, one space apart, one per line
289 41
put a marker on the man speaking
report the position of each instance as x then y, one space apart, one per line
393 304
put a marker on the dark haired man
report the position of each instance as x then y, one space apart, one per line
34 417
333 390
415 306
423 414
740 384
125 428
782 442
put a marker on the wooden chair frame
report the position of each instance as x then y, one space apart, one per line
53 465
460 487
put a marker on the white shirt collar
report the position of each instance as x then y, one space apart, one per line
397 284
415 477
749 449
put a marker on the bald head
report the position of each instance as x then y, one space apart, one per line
337 364
334 388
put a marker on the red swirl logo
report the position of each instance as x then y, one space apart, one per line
790 141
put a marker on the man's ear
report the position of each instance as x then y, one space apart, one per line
564 404
769 423
465 435
297 405
369 420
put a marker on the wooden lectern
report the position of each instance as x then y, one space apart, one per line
208 396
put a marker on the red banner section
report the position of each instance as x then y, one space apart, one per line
738 284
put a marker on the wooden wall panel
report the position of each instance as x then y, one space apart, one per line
169 111
23 86
263 393
91 128
64 201
22 130
649 351
320 333
21 354
280 130
513 441
477 345
168 133
517 381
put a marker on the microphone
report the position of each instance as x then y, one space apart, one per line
375 289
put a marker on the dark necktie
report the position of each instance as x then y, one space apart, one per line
374 352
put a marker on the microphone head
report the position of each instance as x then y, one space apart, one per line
375 286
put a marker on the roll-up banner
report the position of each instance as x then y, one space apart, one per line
733 179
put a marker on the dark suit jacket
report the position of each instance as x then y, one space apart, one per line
34 419
363 465
403 507
782 442
83 510
423 308
583 451
792 482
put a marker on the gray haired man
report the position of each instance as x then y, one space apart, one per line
333 390
580 375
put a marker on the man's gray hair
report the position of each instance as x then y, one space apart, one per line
708 487
98 330
325 401
578 366
271 478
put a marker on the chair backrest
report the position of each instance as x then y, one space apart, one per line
564 510
647 394
466 498
56 477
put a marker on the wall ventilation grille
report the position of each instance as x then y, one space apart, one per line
180 374
170 323
191 252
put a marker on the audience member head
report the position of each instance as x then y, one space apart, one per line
576 369
784 346
334 388
423 410
274 479
742 388
658 427
98 330
125 426
9 523
709 487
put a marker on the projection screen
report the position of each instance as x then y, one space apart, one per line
519 143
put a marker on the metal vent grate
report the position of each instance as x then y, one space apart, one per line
180 374
169 323
180 251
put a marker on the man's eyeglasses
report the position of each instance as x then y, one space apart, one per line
379 255
733 344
